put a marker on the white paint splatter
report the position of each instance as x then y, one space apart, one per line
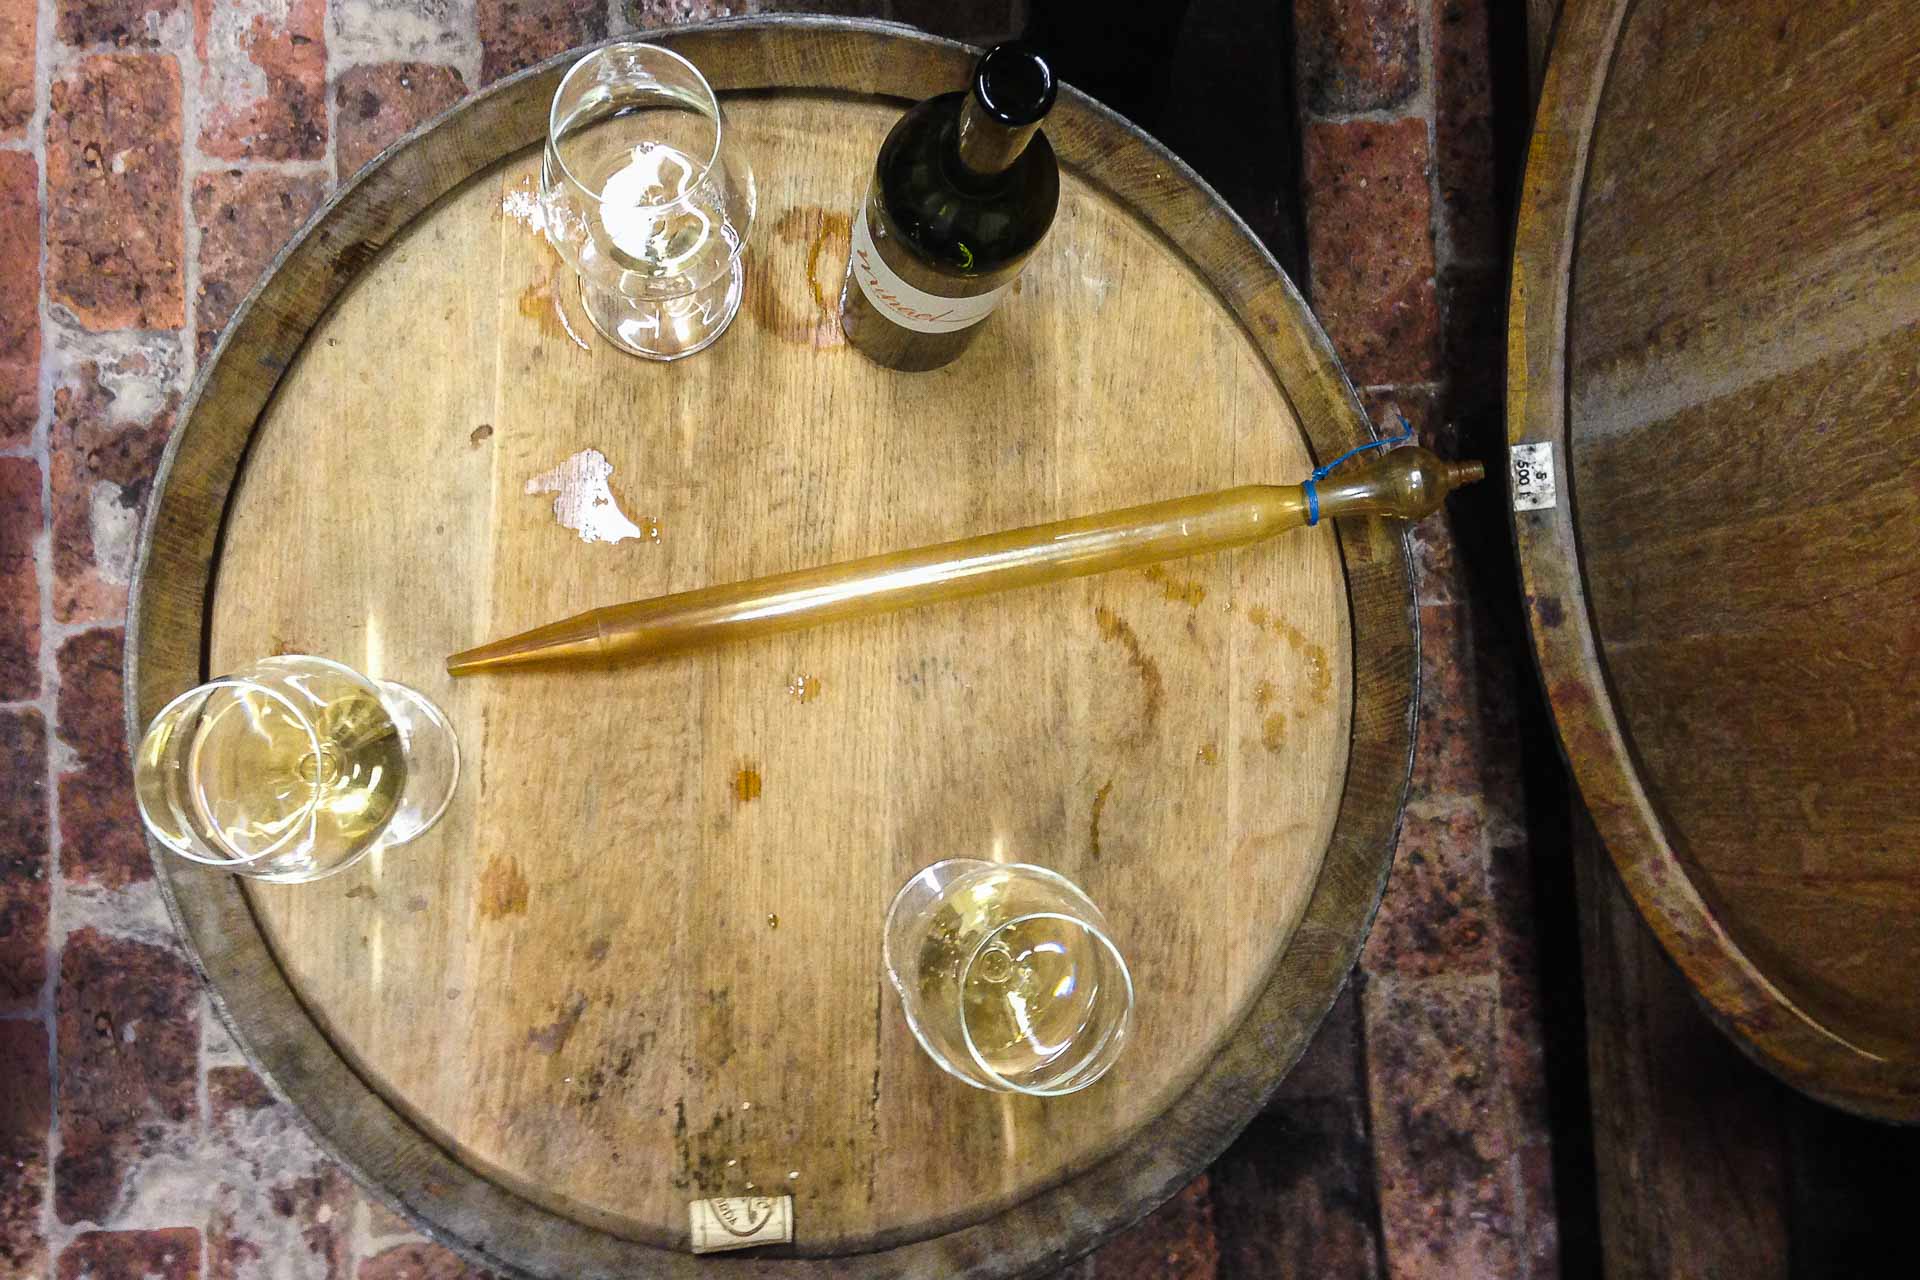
115 527
584 503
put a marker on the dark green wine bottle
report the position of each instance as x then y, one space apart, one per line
964 189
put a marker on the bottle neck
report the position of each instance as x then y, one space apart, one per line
986 146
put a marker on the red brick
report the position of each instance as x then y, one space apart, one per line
519 33
1463 129
1331 1067
172 1254
19 25
1468 748
245 218
242 42
114 235
1294 1194
1174 1242
22 516
19 296
419 1262
122 23
26 1109
1441 1145
110 423
128 1019
279 1198
1522 1032
101 840
25 887
1357 55
374 105
1533 1174
1436 916
1370 248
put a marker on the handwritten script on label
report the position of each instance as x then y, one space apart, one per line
582 501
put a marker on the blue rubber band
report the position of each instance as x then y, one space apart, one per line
1320 473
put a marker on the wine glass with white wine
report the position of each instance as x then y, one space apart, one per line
294 768
1009 976
643 196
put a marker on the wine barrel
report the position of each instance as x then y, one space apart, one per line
1716 348
638 963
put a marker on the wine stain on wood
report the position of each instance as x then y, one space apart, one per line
481 434
1273 731
1187 591
828 238
773 920
1209 754
804 688
598 948
503 890
1319 670
715 1042
1093 824
553 1037
1263 694
540 303
363 891
746 784
1116 629
417 903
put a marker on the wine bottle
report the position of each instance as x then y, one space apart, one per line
963 191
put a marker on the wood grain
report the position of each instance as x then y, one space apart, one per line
537 1030
1689 1141
608 997
1716 317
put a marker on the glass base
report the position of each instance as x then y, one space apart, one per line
433 762
669 330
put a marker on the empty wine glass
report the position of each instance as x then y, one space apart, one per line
1009 976
294 768
644 199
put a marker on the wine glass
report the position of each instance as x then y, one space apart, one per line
645 201
1009 976
294 768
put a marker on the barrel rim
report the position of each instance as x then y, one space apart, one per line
1735 991
178 554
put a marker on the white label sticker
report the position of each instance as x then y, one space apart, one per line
1532 474
740 1222
906 306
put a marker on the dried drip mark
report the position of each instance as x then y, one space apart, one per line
1187 591
746 784
828 237
1093 823
1209 754
1115 628
1273 731
481 434
1319 671
541 303
503 890
804 688
552 1038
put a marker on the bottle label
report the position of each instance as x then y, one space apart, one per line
906 306
739 1222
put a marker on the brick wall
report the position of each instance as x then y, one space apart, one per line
154 154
